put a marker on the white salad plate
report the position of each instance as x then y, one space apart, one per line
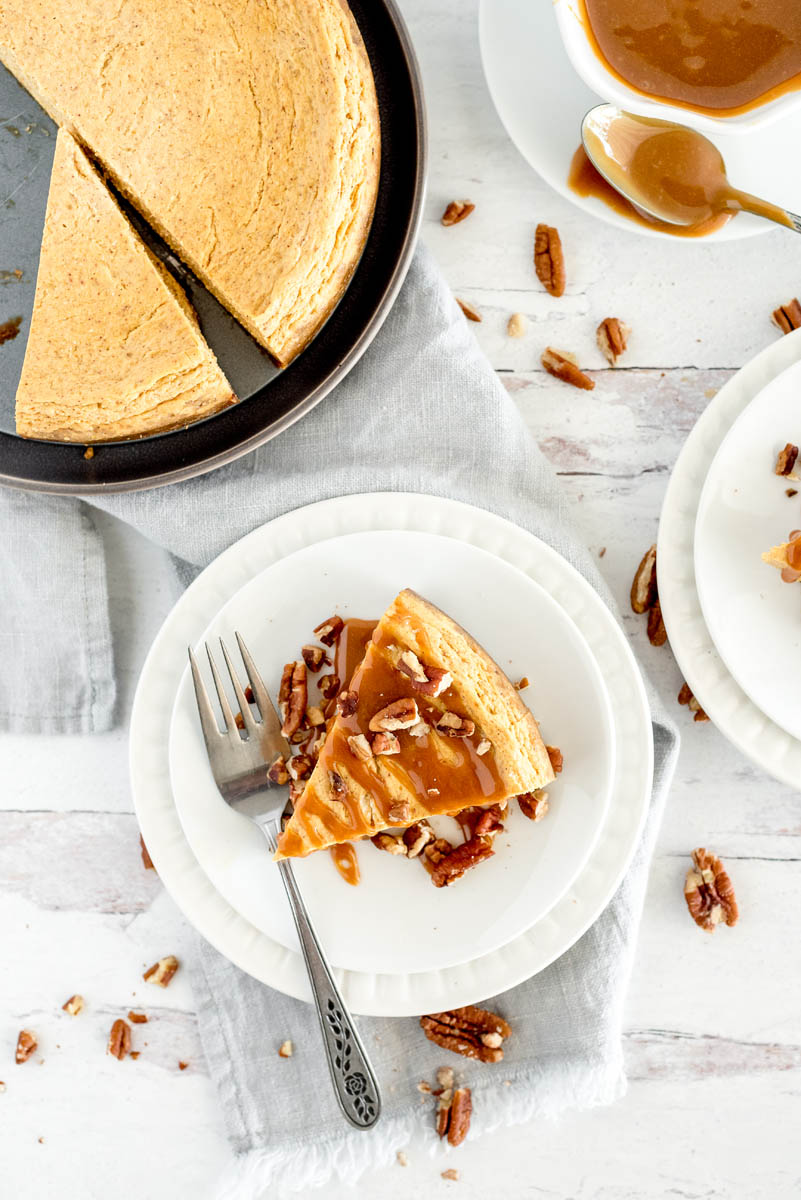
736 715
371 991
366 927
541 101
754 618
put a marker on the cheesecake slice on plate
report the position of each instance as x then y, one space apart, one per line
428 725
114 349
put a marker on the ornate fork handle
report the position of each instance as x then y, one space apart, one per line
351 1073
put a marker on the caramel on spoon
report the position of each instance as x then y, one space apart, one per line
667 171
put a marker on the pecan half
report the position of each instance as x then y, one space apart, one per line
471 1031
329 631
643 587
469 311
612 336
296 697
390 844
417 837
657 634
516 325
315 658
400 714
347 703
454 1109
452 864
786 459
452 725
119 1039
26 1044
329 686
563 366
386 743
278 772
549 260
74 1005
162 971
788 317
534 805
709 893
457 210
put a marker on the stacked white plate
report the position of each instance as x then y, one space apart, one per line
733 625
400 946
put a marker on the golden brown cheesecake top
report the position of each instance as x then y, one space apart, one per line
428 725
114 349
245 131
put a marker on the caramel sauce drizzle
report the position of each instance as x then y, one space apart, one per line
346 862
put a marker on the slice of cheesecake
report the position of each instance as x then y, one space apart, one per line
114 349
428 725
787 557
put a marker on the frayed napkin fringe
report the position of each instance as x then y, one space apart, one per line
311 1165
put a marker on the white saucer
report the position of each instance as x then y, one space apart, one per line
737 716
372 992
754 618
365 928
541 100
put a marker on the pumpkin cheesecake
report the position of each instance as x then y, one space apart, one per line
246 133
114 349
428 725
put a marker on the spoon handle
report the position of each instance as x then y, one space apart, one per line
771 212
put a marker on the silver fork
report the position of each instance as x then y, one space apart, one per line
239 763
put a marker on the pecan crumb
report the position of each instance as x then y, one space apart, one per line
522 683
182 1065
74 1005
286 1049
162 971
89 452
786 459
471 313
402 1159
549 260
563 366
643 587
457 210
612 336
471 1031
146 859
137 1018
788 317
516 325
685 696
26 1044
451 1174
557 759
791 492
390 844
709 892
119 1039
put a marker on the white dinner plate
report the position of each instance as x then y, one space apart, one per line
754 618
366 927
722 698
541 101
372 992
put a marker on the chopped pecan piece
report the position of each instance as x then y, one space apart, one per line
657 634
534 805
454 1109
451 865
315 717
791 492
137 1018
360 746
483 746
338 785
147 861
612 336
286 1049
450 724
390 844
347 703
329 686
119 1039
471 313
300 767
304 733
788 317
471 1031
294 691
457 210
489 822
516 325
278 771
557 759
435 681
74 1005
295 790
549 260
709 893
523 683
685 696
329 631
410 665
419 730
643 586
162 971
26 1044
417 837
315 658
386 743
451 1174
400 714
786 459
563 366
399 813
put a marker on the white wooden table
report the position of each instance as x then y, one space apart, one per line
713 1024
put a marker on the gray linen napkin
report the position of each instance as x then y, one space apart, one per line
422 411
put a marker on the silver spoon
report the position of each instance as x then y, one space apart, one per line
668 171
